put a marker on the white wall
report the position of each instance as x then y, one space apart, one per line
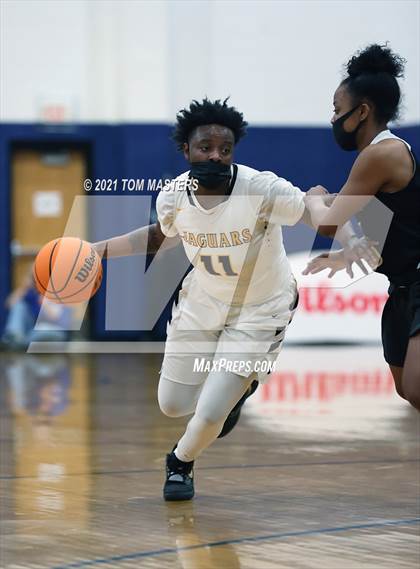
138 61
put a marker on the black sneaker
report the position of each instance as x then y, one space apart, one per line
233 416
179 484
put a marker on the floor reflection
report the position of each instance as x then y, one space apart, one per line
326 444
48 397
190 541
335 391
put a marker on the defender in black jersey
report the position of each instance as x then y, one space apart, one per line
385 168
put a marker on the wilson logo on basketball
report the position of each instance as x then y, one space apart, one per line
86 268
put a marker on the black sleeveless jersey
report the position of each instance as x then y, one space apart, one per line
401 249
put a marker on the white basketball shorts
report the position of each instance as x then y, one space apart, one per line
205 335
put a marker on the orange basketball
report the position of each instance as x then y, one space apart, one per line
67 270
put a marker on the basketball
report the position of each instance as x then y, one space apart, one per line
67 270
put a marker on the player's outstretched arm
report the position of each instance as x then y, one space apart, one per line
147 239
355 249
372 169
316 210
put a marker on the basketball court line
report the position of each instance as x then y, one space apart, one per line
227 467
253 539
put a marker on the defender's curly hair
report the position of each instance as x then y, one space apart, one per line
208 112
372 74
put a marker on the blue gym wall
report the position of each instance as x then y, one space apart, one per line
120 71
306 156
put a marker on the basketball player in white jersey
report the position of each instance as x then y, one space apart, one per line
385 168
236 303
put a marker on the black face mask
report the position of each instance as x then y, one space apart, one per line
210 174
347 140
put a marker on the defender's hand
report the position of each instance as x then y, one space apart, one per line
334 261
358 249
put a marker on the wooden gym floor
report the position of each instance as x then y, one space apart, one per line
321 472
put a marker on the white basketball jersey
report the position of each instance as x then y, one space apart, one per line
236 247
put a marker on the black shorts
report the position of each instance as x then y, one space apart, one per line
400 321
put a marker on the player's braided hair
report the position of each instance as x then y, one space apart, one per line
207 112
372 74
